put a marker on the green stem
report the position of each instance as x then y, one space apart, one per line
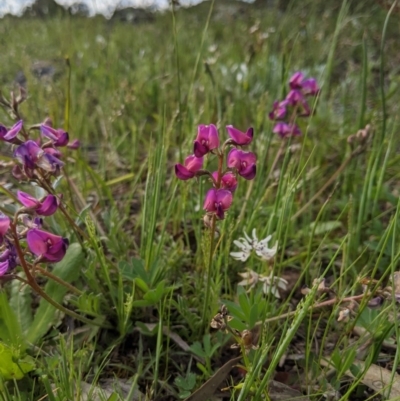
209 270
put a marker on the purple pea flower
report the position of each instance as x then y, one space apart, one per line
4 226
284 130
8 259
29 154
295 81
278 110
46 246
4 267
310 87
239 137
58 136
207 139
243 162
192 165
228 180
218 201
9 135
50 163
75 144
47 207
296 98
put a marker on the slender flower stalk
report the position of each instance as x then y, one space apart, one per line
219 198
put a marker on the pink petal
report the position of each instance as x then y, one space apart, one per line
239 137
183 173
48 206
37 241
14 130
224 197
209 201
4 267
27 200
4 224
193 163
213 138
296 80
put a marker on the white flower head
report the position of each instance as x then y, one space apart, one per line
247 245
250 279
271 284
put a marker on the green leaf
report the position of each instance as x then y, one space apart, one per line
68 270
324 227
197 349
20 303
253 317
12 365
10 329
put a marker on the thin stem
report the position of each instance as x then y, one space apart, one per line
209 268
316 306
59 280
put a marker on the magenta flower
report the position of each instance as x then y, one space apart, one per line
28 154
228 180
31 155
192 165
4 226
207 139
239 137
9 135
58 136
47 207
218 201
243 162
307 86
284 130
310 87
8 259
75 144
295 81
46 246
279 110
296 98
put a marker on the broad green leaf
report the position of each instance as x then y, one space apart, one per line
12 365
20 302
10 329
68 270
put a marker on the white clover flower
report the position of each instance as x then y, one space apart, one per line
271 284
247 245
250 279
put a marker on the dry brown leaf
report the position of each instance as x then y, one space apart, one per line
276 391
377 379
211 385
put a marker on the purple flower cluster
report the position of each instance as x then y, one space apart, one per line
42 154
285 112
239 163
36 160
42 245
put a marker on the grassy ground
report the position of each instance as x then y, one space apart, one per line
134 95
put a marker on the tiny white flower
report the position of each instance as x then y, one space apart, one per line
247 244
271 284
250 278
245 250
